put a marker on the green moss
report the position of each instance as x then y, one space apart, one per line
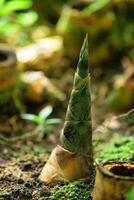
120 148
4 192
76 190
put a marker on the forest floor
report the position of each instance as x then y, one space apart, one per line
23 157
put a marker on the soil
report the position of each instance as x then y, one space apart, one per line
23 155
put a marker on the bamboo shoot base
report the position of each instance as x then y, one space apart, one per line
65 165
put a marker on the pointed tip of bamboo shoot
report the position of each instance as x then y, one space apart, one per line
82 67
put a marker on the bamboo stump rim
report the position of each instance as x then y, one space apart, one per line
123 170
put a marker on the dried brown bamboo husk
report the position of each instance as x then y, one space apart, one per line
44 54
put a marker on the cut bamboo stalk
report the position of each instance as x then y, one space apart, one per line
113 180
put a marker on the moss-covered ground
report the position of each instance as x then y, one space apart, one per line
120 148
19 169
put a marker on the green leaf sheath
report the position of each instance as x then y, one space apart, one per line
77 131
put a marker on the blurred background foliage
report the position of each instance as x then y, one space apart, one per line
47 36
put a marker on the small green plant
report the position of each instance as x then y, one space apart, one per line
44 124
131 194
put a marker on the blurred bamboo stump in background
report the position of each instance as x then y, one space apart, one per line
45 54
38 88
8 69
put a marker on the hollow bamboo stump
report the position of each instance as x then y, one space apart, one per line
113 180
8 70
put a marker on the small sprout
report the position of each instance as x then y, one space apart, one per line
44 125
